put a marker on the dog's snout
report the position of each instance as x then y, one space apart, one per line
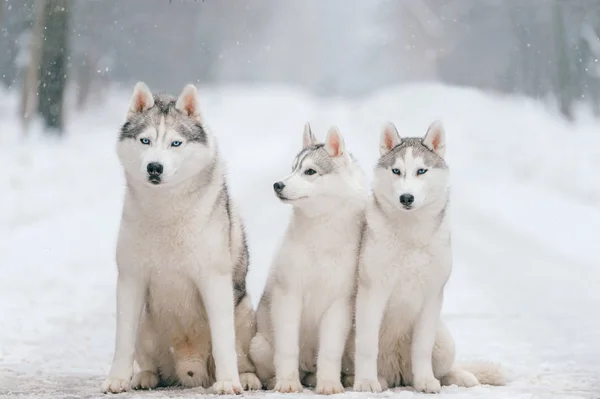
278 187
154 168
407 199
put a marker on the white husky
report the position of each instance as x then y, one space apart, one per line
406 260
305 313
181 255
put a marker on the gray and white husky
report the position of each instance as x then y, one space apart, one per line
406 260
182 305
305 314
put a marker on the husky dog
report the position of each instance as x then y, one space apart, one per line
305 313
182 305
405 262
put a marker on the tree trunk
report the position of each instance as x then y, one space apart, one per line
564 90
31 75
53 66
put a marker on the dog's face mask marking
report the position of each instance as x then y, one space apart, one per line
163 141
411 172
318 171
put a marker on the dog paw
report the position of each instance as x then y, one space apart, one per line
250 382
288 386
144 380
115 385
227 388
329 387
427 385
367 386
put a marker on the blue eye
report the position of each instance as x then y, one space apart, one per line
145 141
310 172
396 171
421 172
176 143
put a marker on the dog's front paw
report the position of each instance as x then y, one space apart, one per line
329 387
115 385
144 380
250 382
367 386
227 388
427 385
288 386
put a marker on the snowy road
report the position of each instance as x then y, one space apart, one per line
523 291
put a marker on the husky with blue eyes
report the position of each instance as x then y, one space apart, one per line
405 263
304 317
183 311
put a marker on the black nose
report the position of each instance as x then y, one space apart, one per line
278 187
191 373
154 168
407 199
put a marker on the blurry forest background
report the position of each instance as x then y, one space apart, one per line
53 49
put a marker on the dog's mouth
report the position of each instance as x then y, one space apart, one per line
155 180
407 207
283 198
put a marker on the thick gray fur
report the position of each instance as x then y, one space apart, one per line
164 105
317 153
431 159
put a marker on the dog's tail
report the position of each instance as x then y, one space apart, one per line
488 373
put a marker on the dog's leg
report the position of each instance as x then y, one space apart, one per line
370 305
130 302
217 292
423 339
261 352
333 333
145 350
245 328
286 311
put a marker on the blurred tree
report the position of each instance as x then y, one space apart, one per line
30 60
565 79
53 65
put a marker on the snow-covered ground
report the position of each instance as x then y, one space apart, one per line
526 205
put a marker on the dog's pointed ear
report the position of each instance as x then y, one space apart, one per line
308 138
435 138
187 102
389 138
334 142
142 98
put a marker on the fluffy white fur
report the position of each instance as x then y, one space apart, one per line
175 258
405 263
305 314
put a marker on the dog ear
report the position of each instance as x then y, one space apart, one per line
187 102
435 138
334 142
142 98
308 138
389 138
